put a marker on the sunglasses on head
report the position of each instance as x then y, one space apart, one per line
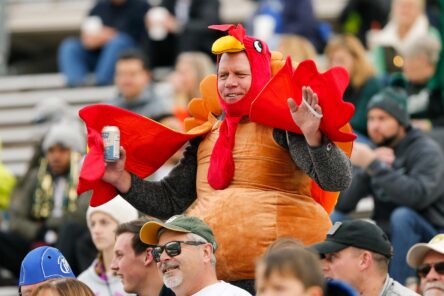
424 269
172 248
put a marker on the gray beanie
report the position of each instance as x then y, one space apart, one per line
392 100
65 134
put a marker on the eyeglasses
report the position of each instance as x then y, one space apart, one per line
172 248
424 269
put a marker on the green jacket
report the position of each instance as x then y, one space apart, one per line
20 209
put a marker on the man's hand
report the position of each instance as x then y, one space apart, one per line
96 41
171 24
308 116
423 124
116 175
385 154
362 155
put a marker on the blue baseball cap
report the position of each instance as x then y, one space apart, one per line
44 263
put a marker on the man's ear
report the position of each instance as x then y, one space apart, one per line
315 291
148 256
148 76
365 260
208 252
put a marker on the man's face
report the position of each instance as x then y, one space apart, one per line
59 159
180 273
131 78
278 284
343 265
129 266
418 69
381 126
233 76
433 283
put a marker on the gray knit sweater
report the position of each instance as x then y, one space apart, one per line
327 165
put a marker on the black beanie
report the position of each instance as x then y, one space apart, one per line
392 100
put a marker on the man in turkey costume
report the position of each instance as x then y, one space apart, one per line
256 167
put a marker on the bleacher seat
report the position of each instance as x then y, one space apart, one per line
18 97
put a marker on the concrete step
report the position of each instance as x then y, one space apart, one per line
14 136
17 168
16 154
24 118
31 82
8 291
46 15
74 96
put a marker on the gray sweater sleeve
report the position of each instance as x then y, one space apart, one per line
173 194
327 164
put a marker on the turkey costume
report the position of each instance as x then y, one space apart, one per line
247 171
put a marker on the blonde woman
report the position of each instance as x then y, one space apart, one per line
102 223
190 69
348 52
63 287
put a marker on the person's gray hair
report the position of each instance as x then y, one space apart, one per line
427 45
198 238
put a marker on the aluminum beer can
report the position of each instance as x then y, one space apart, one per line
111 143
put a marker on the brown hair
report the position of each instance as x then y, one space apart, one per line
134 228
282 243
362 67
203 66
288 257
64 287
297 47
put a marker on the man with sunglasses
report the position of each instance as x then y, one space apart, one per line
428 260
184 251
358 252
133 262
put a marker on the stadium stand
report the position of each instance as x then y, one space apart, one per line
46 21
38 26
18 96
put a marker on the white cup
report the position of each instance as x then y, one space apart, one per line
264 26
156 17
92 25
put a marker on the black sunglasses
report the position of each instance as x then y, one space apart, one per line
424 269
172 248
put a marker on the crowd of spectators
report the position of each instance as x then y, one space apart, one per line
392 55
